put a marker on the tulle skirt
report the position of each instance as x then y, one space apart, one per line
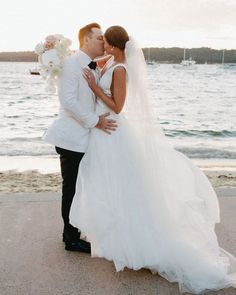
150 207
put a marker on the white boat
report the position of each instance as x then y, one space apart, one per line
223 57
149 62
187 62
226 65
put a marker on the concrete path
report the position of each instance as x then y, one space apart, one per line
33 260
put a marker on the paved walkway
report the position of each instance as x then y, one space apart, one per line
33 260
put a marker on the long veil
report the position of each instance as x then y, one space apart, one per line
150 135
137 107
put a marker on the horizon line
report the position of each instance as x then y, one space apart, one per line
141 48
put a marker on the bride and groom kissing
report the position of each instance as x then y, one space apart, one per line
127 194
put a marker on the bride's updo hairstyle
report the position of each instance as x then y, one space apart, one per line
117 36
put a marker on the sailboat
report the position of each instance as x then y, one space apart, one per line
149 62
223 57
187 62
226 65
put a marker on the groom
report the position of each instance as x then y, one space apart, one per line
70 131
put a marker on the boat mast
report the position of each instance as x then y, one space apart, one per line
223 57
184 53
148 54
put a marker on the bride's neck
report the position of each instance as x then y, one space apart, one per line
119 57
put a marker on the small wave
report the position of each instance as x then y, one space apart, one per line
24 139
10 88
27 97
21 150
13 116
28 153
48 150
200 133
207 153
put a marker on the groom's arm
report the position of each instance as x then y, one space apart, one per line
68 92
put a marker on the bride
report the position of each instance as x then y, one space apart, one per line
141 203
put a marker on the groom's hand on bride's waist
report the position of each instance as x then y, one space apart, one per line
105 124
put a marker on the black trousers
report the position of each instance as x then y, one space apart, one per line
69 161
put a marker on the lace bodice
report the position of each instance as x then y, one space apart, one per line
105 83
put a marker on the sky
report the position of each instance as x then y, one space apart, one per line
153 23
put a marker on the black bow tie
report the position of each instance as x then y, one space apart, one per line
92 65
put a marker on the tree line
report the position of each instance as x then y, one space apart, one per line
161 55
200 55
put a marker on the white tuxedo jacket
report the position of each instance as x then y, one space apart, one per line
77 114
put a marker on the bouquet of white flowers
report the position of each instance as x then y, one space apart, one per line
51 55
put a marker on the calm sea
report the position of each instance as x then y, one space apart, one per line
196 107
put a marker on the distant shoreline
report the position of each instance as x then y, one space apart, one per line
161 55
158 62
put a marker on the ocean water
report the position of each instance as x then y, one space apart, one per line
196 107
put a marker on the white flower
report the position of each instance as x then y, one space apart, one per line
44 73
50 58
66 42
51 39
51 55
59 37
39 48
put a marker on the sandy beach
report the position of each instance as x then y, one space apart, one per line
29 181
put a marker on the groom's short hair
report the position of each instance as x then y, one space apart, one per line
86 31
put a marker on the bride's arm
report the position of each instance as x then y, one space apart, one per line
116 102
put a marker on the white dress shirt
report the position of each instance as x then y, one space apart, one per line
70 130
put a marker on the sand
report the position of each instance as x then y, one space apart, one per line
13 181
29 181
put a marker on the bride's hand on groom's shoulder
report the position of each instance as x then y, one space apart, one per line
105 124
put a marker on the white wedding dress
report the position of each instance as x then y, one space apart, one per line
162 219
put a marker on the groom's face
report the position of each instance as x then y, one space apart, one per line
96 43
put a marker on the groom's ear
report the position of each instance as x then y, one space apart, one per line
86 39
85 42
82 40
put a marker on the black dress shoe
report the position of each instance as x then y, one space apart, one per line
79 245
67 237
